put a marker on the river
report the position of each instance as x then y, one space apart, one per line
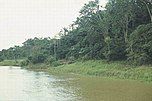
17 84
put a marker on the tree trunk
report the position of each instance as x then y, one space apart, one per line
148 10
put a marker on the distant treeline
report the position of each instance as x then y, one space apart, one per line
122 31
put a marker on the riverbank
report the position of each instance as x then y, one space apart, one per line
116 70
10 63
100 68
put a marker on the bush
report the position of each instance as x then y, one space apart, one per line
37 58
1 59
50 60
24 63
56 63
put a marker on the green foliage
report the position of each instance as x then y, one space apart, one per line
50 60
24 63
1 59
37 58
140 45
106 69
10 63
56 63
96 34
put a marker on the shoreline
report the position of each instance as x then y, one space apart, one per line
98 68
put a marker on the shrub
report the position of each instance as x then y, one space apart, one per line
50 60
1 59
56 63
24 63
37 58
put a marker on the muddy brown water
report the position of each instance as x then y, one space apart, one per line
22 85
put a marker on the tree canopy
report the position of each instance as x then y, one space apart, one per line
123 31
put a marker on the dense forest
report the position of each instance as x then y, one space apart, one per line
122 31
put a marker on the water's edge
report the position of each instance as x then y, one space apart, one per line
25 85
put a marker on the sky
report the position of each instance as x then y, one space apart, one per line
24 19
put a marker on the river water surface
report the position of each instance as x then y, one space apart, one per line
22 85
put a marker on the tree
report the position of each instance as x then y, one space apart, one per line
119 14
96 34
140 45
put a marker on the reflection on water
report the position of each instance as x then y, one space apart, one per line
18 84
22 85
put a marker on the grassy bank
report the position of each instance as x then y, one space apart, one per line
100 68
117 70
10 63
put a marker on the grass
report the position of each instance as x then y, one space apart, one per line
10 63
118 70
101 68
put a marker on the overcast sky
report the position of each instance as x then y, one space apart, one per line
23 19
